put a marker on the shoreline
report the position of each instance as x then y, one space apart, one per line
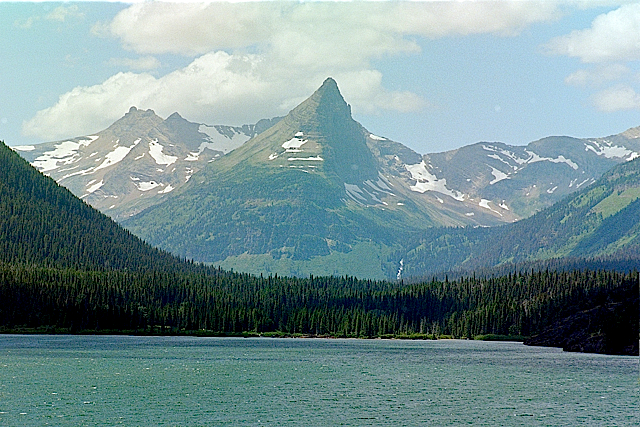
251 334
211 334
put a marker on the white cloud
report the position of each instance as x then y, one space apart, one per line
142 64
597 76
614 36
61 13
617 98
192 29
259 60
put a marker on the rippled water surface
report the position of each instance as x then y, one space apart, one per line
182 381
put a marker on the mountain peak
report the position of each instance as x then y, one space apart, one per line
329 93
329 84
136 119
326 105
632 133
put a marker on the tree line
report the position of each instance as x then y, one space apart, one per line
221 303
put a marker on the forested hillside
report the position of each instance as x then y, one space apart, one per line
43 223
600 222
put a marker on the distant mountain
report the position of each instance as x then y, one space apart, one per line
360 200
525 179
43 224
136 161
318 193
600 221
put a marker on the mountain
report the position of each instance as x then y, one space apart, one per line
600 221
306 195
42 223
137 160
525 179
318 193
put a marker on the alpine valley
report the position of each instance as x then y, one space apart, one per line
67 268
316 193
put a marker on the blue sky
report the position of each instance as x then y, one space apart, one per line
432 75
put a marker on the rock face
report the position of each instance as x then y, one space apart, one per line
608 328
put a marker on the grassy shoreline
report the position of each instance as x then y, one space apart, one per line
48 330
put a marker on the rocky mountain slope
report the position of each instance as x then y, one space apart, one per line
525 179
132 164
136 161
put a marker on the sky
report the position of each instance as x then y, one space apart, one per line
434 76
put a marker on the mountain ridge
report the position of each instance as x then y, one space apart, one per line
133 163
315 188
318 186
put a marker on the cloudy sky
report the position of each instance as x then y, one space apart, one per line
432 75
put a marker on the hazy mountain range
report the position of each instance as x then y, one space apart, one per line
317 193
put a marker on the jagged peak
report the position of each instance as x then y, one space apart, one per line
326 102
134 111
329 84
329 92
175 116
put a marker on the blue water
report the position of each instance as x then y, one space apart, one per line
184 381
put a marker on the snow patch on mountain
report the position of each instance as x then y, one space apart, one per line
484 203
311 158
533 157
606 149
116 156
497 175
155 151
294 142
64 153
146 186
195 155
225 141
95 186
23 148
560 159
509 154
426 181
167 189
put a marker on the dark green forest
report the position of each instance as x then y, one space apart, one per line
217 303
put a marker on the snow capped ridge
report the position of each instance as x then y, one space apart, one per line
610 151
65 152
532 157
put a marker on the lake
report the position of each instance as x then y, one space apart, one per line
188 381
